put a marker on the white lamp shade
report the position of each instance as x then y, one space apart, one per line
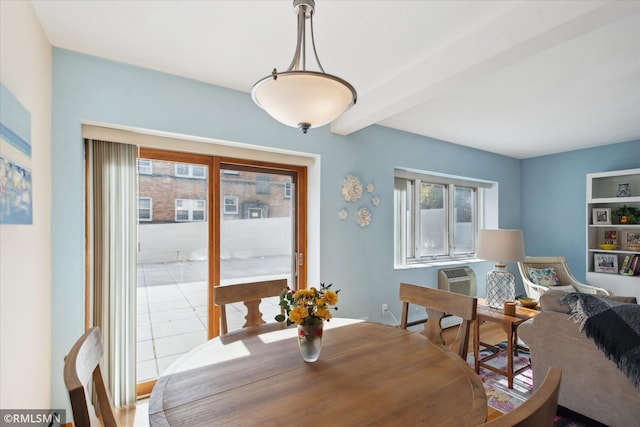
500 245
304 97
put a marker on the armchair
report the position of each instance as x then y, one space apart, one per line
535 287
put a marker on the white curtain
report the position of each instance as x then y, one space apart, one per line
114 250
400 219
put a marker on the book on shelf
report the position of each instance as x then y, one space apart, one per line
635 265
631 265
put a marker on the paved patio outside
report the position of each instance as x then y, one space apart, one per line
173 307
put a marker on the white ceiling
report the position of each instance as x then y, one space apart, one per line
519 78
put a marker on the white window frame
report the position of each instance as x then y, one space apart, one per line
191 171
145 167
150 209
407 216
288 189
263 184
234 199
191 206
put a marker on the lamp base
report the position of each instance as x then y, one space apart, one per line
501 286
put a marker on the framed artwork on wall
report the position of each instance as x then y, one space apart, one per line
16 193
601 216
605 263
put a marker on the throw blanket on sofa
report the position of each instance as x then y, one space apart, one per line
613 326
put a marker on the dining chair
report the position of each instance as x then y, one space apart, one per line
81 366
539 410
249 293
438 303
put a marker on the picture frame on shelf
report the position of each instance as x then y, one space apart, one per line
633 241
605 263
611 237
601 216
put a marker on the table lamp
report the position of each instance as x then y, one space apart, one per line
501 246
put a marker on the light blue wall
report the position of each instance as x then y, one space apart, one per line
554 191
359 261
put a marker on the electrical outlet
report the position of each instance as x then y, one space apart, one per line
385 309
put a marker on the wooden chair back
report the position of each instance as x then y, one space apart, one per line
539 410
81 367
249 293
438 303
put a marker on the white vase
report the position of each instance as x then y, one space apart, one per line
623 190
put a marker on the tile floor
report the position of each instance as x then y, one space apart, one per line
172 313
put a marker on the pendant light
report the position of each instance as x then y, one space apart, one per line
298 97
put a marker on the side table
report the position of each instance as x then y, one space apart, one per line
510 325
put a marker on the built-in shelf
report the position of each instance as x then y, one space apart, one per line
616 200
602 194
613 251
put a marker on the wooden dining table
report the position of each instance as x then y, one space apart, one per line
367 374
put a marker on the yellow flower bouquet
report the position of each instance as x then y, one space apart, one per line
308 306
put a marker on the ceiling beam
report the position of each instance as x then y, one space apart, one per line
519 33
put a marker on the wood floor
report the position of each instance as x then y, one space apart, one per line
490 333
137 415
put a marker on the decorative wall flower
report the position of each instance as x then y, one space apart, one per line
370 188
343 214
375 201
364 217
352 189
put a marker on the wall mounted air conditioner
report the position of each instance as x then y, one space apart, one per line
461 280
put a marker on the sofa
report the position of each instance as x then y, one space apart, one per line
592 385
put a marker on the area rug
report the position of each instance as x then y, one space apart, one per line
505 399
499 395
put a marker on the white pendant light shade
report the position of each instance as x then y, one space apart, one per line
304 99
298 97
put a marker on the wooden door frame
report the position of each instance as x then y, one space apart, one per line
214 164
300 225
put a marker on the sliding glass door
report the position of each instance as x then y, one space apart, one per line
258 230
206 221
173 258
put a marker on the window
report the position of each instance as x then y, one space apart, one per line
288 190
184 170
230 205
199 172
436 217
263 185
190 210
144 209
145 167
